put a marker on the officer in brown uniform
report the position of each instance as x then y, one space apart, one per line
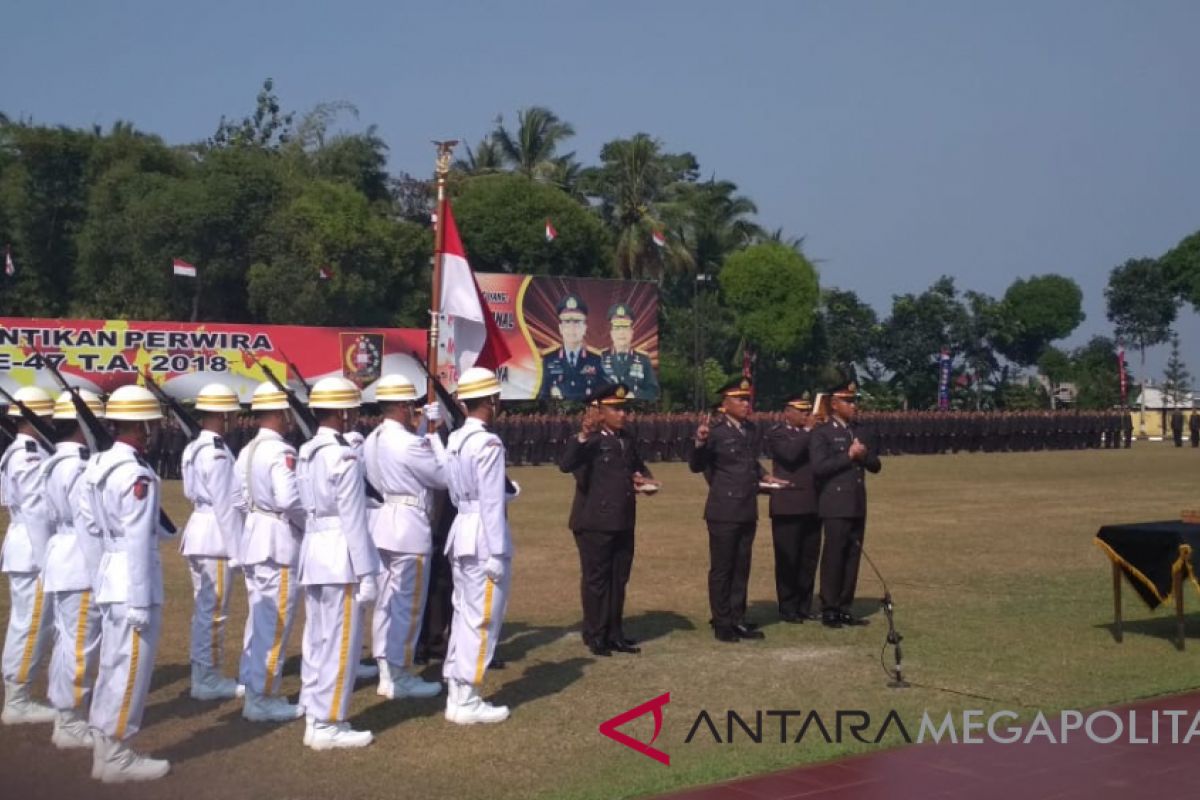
840 459
724 452
609 473
795 526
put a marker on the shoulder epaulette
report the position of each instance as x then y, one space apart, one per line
31 446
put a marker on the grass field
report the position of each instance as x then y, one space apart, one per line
999 593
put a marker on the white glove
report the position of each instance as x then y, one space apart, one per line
138 618
433 413
367 590
494 568
509 496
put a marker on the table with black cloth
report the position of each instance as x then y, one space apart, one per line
1156 558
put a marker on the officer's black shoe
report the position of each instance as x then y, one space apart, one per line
853 621
498 663
624 646
750 626
812 616
725 635
599 650
745 632
794 620
831 619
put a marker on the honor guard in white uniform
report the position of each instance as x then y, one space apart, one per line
30 617
338 564
479 546
71 563
404 467
211 540
364 670
119 503
270 553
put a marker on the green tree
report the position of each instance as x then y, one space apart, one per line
1181 268
638 186
502 219
1094 371
1142 306
1176 379
1037 311
912 337
849 328
377 264
485 159
532 149
268 127
773 293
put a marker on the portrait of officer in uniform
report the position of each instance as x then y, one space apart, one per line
571 372
623 364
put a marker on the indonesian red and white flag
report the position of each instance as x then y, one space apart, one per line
468 335
181 267
325 272
659 239
10 268
551 234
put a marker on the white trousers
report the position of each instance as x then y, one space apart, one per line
274 598
403 587
126 662
329 653
211 579
30 627
76 653
479 604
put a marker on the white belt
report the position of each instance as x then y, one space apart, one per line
403 500
202 510
323 523
468 507
273 514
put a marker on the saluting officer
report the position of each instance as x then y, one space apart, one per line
119 504
211 540
608 472
407 468
571 372
71 563
30 627
839 460
338 564
725 453
795 526
270 554
623 364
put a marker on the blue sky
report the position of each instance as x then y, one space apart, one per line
905 140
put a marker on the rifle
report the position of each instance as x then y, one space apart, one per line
42 429
457 415
181 415
97 434
304 415
307 386
8 428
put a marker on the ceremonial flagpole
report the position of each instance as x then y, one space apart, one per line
442 166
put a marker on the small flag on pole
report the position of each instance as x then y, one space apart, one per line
551 234
181 267
659 239
325 272
10 268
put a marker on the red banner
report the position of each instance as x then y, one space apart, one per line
183 356
569 335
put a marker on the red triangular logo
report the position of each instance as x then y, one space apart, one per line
655 706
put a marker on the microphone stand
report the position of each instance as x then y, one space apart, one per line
894 637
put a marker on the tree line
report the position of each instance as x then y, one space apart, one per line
273 199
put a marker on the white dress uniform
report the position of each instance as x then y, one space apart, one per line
479 535
72 561
209 542
335 556
270 554
404 467
31 614
119 503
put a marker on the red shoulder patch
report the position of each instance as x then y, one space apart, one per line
290 461
141 488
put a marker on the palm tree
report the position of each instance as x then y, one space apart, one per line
639 200
777 235
532 149
716 223
485 158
